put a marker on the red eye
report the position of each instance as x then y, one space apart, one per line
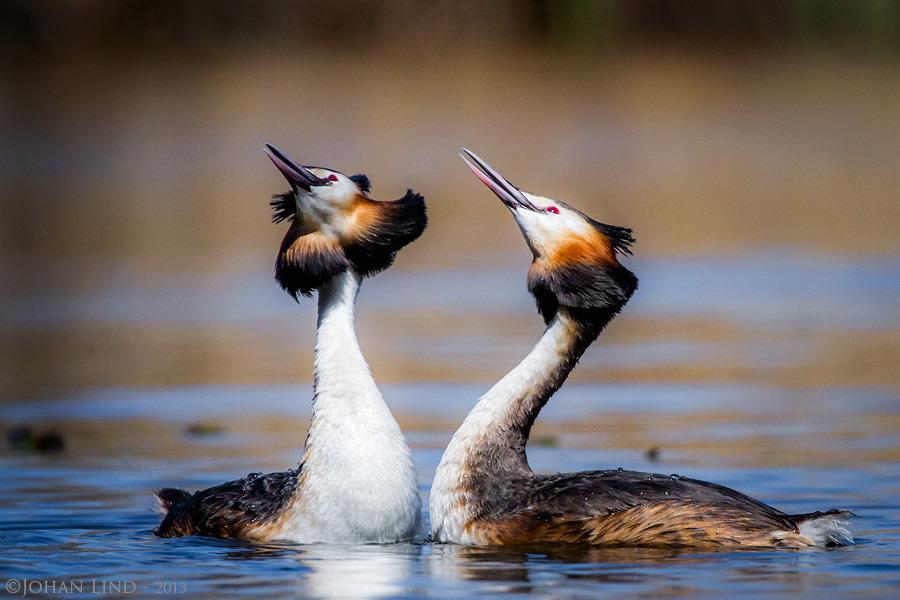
332 177
552 209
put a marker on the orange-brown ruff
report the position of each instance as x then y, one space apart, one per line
484 491
367 241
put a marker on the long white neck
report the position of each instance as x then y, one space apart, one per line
357 473
489 447
346 400
503 416
341 372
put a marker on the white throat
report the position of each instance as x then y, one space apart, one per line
358 483
342 374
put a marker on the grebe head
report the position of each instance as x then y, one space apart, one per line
576 259
336 226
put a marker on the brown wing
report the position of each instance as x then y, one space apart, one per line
233 509
628 508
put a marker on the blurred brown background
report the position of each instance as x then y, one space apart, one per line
753 146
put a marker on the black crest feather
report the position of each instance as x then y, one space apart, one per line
284 206
362 181
620 237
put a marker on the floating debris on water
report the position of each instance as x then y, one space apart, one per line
24 439
547 441
200 429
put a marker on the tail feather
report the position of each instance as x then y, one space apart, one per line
828 528
169 498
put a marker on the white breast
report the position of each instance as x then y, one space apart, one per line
358 483
359 487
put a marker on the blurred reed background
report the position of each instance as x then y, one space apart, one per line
753 146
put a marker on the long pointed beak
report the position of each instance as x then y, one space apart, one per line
509 194
296 174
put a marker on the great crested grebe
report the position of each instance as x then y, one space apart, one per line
484 491
356 481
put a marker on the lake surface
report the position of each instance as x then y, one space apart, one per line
86 515
771 385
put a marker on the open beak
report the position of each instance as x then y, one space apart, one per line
511 196
297 175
